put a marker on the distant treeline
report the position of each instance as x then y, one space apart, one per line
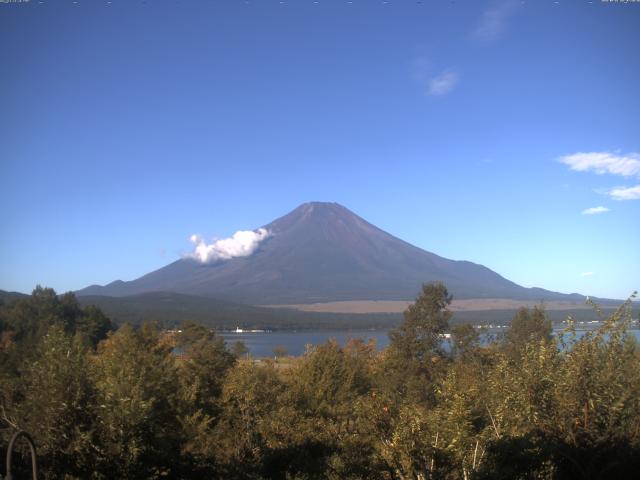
106 403
504 317
169 310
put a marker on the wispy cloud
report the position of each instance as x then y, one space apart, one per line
625 193
442 83
494 21
434 83
604 162
241 244
594 210
587 274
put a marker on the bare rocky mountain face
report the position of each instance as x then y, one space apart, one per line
323 252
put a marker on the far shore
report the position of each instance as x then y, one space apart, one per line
399 306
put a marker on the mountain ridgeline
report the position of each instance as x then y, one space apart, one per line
322 252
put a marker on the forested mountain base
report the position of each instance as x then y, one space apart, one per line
120 404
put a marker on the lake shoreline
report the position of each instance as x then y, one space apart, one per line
294 342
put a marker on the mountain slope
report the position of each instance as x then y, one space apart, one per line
8 297
323 252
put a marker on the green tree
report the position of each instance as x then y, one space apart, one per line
239 349
30 318
201 370
255 423
597 414
414 355
571 413
528 326
93 325
327 381
58 406
137 422
465 340
424 323
204 365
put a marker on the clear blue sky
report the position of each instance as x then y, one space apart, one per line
127 126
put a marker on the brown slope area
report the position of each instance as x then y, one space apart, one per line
398 306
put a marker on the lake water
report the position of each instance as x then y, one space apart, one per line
262 344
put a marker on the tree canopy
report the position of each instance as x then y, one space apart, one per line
147 403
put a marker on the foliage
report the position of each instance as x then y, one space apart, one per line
152 404
414 357
528 326
26 320
58 404
136 380
465 340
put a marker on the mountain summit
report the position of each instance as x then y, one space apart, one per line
323 252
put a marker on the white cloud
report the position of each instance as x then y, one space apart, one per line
612 163
493 21
587 274
604 162
625 193
442 83
594 210
242 244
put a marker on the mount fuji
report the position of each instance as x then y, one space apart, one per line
323 252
